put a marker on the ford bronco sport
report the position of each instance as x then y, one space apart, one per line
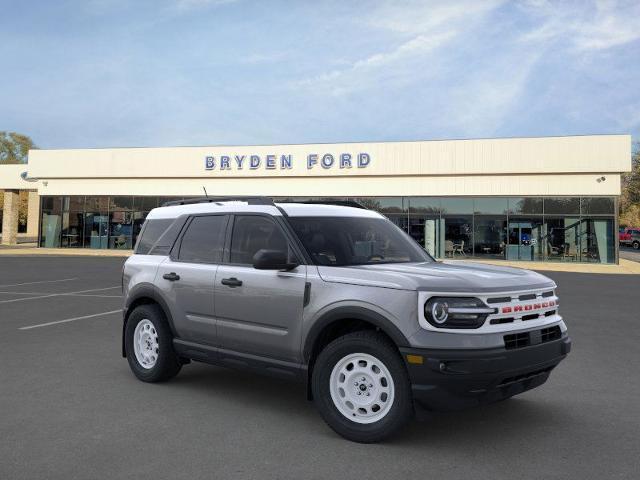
337 297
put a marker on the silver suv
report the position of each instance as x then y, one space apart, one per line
337 297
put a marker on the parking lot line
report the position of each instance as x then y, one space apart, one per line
40 281
66 320
57 294
62 294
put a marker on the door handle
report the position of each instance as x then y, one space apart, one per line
231 282
172 277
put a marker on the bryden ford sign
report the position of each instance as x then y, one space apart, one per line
286 162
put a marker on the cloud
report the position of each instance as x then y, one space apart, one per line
361 73
606 25
420 17
418 29
264 57
186 5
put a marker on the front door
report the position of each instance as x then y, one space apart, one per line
259 311
186 280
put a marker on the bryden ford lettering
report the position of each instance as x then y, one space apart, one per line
285 162
337 297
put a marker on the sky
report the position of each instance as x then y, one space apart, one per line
115 73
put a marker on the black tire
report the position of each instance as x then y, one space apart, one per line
380 347
167 364
636 245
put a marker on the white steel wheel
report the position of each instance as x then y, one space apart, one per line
361 388
145 344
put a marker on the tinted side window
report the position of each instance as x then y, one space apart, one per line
252 233
203 241
151 233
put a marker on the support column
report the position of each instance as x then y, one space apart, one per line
33 214
10 217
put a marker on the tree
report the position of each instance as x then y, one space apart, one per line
14 147
630 198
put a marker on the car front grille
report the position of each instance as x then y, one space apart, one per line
535 337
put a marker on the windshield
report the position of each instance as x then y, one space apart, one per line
343 241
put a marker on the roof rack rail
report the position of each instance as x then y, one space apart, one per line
251 200
340 203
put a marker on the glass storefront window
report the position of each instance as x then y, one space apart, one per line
514 228
490 206
526 239
525 206
51 224
562 238
597 242
562 206
72 222
424 205
120 230
597 206
145 204
120 203
96 204
138 221
490 237
457 206
458 236
96 229
428 231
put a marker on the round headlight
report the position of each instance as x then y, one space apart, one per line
440 312
456 312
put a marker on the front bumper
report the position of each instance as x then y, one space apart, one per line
452 379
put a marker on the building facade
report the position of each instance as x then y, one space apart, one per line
536 199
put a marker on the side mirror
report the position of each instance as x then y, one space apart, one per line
272 260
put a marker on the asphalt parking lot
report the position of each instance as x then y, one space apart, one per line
630 253
70 408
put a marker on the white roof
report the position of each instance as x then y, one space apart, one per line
291 209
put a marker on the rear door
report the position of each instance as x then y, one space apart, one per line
259 311
186 279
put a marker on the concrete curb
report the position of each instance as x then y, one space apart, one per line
84 252
626 267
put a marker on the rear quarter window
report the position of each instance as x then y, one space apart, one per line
152 231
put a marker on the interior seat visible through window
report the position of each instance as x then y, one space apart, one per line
252 233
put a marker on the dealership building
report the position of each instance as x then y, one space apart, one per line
534 199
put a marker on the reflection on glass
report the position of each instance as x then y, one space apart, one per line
428 231
120 203
597 240
525 239
490 206
51 224
96 229
145 204
97 204
457 206
562 238
525 206
428 205
458 235
490 237
597 206
562 205
138 221
120 230
384 205
571 229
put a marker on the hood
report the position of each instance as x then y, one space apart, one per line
438 277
